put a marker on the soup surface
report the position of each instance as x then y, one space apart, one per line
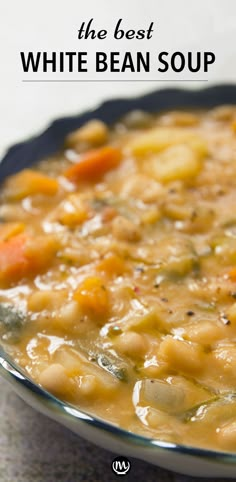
118 274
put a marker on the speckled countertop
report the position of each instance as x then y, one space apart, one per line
36 449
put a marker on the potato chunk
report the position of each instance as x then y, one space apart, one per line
204 332
160 138
46 300
180 355
27 183
94 132
180 119
125 230
175 163
142 187
72 211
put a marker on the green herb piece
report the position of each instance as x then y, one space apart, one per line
10 317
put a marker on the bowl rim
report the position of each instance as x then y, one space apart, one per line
30 151
50 140
15 374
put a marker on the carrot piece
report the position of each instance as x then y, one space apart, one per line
28 182
112 265
19 259
92 296
232 274
13 263
233 125
94 164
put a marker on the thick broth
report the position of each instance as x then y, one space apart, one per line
118 274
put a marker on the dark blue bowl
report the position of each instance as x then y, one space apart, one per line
51 140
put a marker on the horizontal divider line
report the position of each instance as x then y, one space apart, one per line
115 80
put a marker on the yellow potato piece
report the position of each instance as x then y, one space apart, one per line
205 333
27 183
187 358
46 300
72 211
175 163
159 138
94 132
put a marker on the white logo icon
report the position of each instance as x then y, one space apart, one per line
121 465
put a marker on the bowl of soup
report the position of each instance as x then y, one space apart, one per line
118 276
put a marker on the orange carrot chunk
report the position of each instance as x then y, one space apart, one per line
232 274
112 265
94 164
22 256
13 263
92 296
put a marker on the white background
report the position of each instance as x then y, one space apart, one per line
52 25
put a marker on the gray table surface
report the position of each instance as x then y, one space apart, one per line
36 449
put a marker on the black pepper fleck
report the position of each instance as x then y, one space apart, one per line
140 269
190 313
